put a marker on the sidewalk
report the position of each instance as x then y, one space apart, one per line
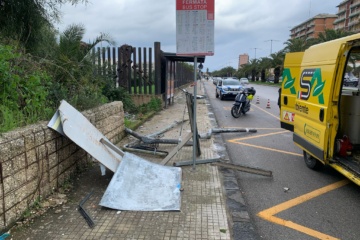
204 214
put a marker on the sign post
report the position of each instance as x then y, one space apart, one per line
195 20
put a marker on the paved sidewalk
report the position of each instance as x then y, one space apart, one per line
203 214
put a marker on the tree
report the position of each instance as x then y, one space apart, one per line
244 71
277 62
254 66
225 72
331 34
264 64
73 68
25 20
296 45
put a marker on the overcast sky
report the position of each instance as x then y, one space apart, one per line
241 26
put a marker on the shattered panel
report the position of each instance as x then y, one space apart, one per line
140 185
71 123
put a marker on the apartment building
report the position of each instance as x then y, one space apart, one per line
243 59
313 26
348 16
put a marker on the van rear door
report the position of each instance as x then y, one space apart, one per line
316 103
291 73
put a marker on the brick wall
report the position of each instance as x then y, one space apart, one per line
36 160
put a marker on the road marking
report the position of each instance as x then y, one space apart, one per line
270 149
236 141
260 128
257 136
268 214
277 117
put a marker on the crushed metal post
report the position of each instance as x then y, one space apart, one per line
247 169
84 213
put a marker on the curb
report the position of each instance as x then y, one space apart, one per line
240 221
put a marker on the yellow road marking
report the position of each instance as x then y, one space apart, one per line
236 141
257 136
260 128
269 213
269 149
277 117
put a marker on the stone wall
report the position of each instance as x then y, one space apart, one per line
36 160
140 99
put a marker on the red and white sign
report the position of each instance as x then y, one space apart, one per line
288 116
195 20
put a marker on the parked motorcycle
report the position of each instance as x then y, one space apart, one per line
242 102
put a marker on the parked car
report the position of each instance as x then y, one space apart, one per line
351 81
270 79
227 88
215 80
244 81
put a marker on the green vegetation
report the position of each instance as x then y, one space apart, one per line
144 112
24 89
36 205
39 66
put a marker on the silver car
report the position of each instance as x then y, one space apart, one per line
244 81
228 88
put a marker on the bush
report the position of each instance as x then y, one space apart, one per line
24 89
120 94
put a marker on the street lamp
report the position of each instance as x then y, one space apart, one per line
271 40
255 51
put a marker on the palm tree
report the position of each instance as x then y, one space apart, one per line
254 68
277 61
297 45
264 64
73 65
331 34
244 71
25 20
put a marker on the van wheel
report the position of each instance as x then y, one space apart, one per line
312 162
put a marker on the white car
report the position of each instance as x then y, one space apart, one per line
244 81
227 87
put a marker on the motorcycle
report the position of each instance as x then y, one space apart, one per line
242 102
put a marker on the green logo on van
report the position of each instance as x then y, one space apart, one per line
289 81
311 84
312 133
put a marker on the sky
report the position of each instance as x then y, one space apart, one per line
254 27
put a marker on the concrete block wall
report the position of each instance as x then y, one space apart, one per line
36 160
140 99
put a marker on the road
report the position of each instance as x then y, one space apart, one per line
297 202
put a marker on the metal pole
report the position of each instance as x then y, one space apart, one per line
194 114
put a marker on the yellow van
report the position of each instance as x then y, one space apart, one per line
323 113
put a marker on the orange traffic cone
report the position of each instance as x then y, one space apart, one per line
268 104
257 100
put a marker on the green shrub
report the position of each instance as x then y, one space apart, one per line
120 94
155 104
24 89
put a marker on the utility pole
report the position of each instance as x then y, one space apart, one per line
271 40
255 51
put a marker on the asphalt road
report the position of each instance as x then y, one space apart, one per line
297 202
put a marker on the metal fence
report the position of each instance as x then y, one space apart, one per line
143 71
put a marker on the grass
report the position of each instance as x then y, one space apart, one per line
152 87
133 124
